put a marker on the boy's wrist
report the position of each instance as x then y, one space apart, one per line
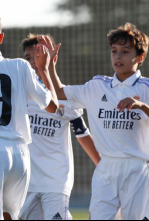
145 108
52 67
43 69
52 63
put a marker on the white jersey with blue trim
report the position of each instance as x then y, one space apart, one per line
115 133
18 84
51 150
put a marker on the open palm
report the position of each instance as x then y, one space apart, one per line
45 40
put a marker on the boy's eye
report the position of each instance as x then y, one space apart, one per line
126 52
113 51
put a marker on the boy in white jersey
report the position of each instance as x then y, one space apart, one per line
18 84
51 152
118 112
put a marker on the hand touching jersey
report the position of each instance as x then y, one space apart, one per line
133 103
130 103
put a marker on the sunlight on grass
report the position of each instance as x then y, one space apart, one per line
79 214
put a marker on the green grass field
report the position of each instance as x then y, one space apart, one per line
79 214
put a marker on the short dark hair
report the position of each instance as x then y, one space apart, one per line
32 40
129 33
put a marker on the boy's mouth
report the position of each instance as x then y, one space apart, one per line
118 64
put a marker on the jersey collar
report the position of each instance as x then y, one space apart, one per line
1 57
128 82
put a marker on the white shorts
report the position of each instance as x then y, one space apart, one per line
120 183
46 206
14 176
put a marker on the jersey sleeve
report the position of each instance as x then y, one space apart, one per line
36 91
79 94
71 112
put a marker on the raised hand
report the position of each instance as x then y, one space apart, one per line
45 40
41 56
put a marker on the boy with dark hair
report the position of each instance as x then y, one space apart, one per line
118 112
32 39
17 85
52 165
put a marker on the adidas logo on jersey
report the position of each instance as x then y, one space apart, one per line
145 218
104 99
79 130
57 217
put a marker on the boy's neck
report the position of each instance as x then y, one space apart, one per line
124 76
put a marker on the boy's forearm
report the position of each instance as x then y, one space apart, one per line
56 82
89 147
48 83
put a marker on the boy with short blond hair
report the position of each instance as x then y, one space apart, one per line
118 112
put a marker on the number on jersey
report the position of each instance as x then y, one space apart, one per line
5 100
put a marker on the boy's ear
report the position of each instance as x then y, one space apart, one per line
1 37
141 58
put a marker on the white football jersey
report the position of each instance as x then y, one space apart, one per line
18 84
51 150
115 133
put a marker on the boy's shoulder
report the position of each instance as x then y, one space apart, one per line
15 61
103 78
18 66
99 80
143 81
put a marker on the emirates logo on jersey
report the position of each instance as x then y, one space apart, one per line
114 119
60 111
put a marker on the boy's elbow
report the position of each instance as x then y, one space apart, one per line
52 108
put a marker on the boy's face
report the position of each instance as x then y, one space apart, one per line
29 56
124 59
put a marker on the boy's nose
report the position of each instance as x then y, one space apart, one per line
118 55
